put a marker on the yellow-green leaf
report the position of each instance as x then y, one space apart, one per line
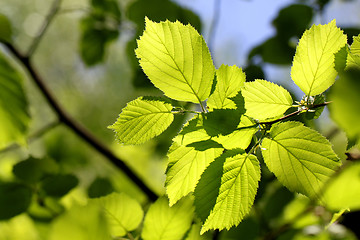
313 66
176 60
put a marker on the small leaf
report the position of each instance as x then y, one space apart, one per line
123 214
59 185
5 29
187 162
229 81
226 190
264 99
167 223
313 66
33 170
176 60
100 187
14 116
142 119
343 191
300 157
14 199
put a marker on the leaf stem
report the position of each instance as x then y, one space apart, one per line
75 126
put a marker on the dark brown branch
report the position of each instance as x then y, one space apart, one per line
76 127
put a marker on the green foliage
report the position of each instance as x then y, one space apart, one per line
171 224
5 29
313 67
142 119
14 116
300 157
182 71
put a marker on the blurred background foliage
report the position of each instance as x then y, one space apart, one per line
86 56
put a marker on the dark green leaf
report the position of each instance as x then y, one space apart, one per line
14 199
59 185
33 169
221 121
105 7
5 29
100 187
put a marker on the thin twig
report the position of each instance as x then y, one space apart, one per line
35 43
75 126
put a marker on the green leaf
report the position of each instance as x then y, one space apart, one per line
176 60
226 190
33 170
5 29
14 116
59 185
80 223
301 158
167 223
343 191
313 66
241 137
186 161
229 81
194 233
142 119
345 99
14 199
100 187
265 99
104 7
123 214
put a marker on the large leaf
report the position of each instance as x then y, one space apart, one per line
229 81
313 66
14 116
123 214
176 60
167 223
300 157
5 29
226 190
343 191
264 99
188 157
142 119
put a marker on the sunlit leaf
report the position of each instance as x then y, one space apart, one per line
176 60
226 190
167 223
264 99
15 198
301 158
188 157
343 191
229 81
14 116
194 233
142 119
313 66
123 214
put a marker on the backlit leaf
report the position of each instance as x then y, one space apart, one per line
176 60
229 81
226 190
186 161
167 223
300 157
264 99
313 66
343 191
123 214
14 116
142 119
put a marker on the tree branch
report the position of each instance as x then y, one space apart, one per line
76 127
